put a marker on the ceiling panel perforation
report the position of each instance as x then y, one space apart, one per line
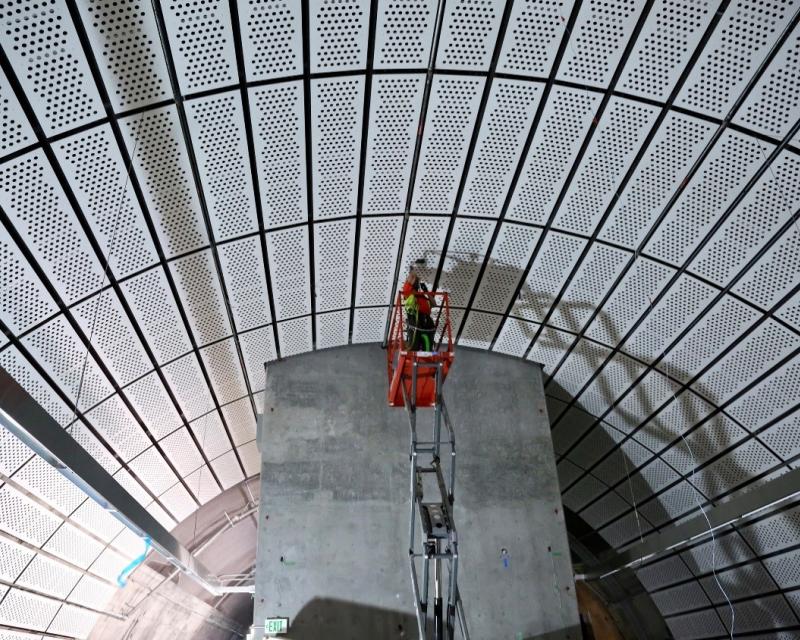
17 131
202 43
565 120
33 199
279 132
478 329
338 34
289 266
450 119
336 113
535 28
613 147
469 32
25 301
332 329
775 274
507 119
295 336
737 47
333 263
271 38
424 243
56 78
598 40
162 166
217 128
394 117
130 60
224 370
404 34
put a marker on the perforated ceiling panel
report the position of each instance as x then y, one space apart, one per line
191 189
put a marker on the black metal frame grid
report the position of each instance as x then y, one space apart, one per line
368 73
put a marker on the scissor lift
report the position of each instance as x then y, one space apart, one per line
415 381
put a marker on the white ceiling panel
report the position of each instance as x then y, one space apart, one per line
738 45
289 268
242 265
394 119
509 257
216 125
157 314
277 120
272 39
338 38
201 294
509 113
32 197
566 118
598 40
533 34
202 43
612 149
98 177
17 131
465 253
403 39
469 33
724 173
57 82
161 165
450 119
669 37
333 263
337 107
124 40
378 247
678 142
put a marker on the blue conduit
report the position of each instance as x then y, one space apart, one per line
122 578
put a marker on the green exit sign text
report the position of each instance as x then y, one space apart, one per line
276 625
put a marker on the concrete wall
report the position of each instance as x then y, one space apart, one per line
333 540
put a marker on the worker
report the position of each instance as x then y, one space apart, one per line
417 302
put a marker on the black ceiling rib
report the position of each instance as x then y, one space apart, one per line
412 177
251 152
134 182
473 143
712 303
309 156
607 94
365 117
198 184
40 273
665 109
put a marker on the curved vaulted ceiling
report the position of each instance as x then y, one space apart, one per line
192 188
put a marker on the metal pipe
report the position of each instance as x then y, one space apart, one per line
462 619
415 585
437 595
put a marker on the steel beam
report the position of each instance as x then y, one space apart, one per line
22 416
733 511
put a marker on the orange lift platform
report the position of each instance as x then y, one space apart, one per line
401 361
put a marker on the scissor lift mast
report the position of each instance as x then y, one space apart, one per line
415 381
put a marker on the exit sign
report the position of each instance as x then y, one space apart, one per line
276 625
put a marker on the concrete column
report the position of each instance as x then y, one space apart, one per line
333 521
